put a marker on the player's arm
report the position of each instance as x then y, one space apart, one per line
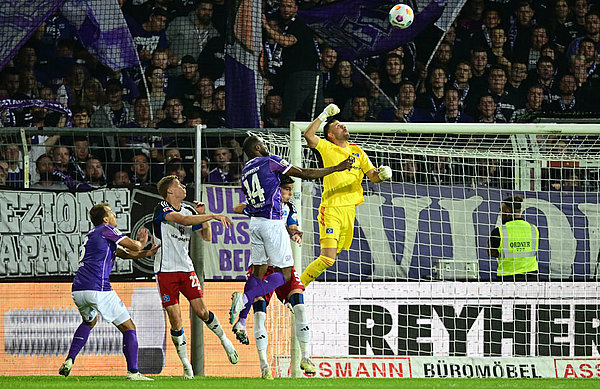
204 231
135 245
311 174
130 254
295 233
381 174
310 134
192 220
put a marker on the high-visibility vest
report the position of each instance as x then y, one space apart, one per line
519 242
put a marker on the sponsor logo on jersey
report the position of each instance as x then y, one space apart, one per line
284 162
355 154
167 209
117 231
166 298
329 230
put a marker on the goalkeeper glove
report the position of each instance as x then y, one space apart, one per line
385 173
330 110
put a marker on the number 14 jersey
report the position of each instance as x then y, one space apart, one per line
261 178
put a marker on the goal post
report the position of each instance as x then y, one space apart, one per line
417 293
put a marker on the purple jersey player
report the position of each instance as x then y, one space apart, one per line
91 287
269 239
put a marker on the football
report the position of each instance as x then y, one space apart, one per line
401 16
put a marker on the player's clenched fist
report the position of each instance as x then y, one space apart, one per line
385 173
330 110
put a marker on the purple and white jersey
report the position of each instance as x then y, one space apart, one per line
96 258
261 178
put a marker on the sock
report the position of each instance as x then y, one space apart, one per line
213 324
302 330
260 306
79 339
315 268
130 349
269 284
260 337
180 342
251 283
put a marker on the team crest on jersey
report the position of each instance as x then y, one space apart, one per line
167 209
284 162
166 298
329 230
355 154
117 231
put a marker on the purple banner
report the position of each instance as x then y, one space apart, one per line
101 28
243 82
19 20
360 28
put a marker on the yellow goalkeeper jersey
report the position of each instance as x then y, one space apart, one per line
343 188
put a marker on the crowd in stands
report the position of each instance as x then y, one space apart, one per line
501 61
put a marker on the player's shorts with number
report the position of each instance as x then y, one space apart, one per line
284 290
171 284
337 223
270 243
108 303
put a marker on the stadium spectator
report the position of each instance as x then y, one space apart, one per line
450 111
271 114
406 111
12 155
359 111
63 170
183 86
539 37
116 113
487 110
272 52
128 84
150 35
81 154
392 77
461 80
70 93
491 19
174 113
161 59
505 102
11 82
567 101
519 31
515 86
377 100
216 117
561 28
93 94
342 88
222 160
204 91
409 174
94 175
438 171
156 86
433 98
174 167
533 106
499 53
141 169
188 35
545 76
592 31
44 167
442 56
27 84
479 65
120 179
300 62
141 115
587 49
329 58
471 17
515 244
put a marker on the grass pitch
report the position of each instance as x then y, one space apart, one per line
81 382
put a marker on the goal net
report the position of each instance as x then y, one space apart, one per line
417 294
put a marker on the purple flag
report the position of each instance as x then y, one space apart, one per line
243 81
360 28
103 32
19 20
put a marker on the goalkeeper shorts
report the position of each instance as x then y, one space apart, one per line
337 223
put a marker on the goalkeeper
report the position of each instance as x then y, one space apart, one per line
342 191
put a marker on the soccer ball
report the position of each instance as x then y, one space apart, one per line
401 16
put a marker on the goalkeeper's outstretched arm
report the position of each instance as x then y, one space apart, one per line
381 174
310 134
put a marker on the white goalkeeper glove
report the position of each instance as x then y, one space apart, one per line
330 110
385 173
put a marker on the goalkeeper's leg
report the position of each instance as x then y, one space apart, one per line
325 260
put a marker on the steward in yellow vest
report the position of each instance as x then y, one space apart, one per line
515 244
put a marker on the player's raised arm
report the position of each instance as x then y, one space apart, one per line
311 174
310 134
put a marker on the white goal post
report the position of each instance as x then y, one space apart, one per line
417 294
